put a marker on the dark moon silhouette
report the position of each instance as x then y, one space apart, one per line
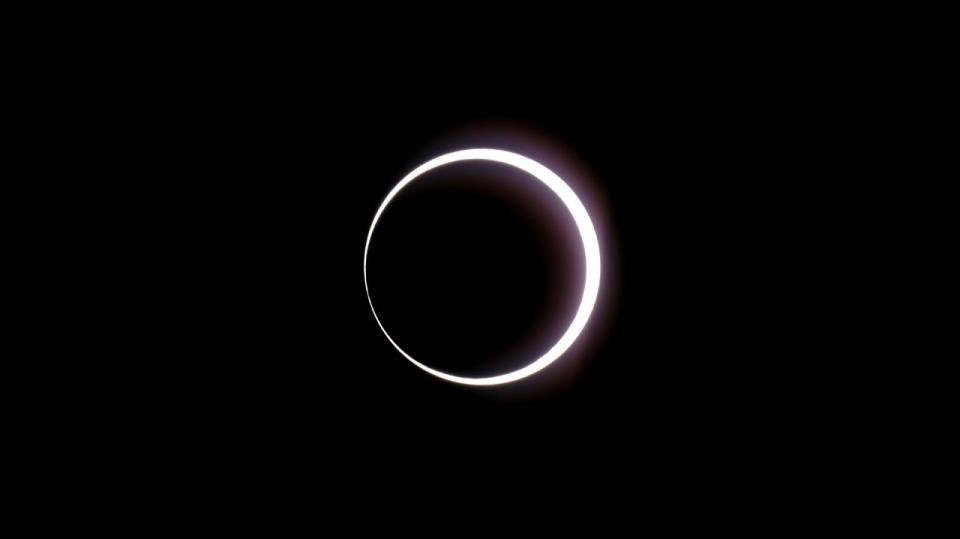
475 268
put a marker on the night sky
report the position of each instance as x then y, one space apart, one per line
263 181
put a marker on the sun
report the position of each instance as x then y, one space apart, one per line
588 235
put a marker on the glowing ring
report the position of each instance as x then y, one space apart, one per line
588 234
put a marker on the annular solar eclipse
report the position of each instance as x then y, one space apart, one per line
588 236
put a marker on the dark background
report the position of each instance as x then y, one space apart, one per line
207 181
273 203
257 172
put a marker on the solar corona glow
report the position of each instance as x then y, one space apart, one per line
588 236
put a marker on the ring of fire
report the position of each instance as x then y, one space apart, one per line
588 236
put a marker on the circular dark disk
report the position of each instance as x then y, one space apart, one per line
476 268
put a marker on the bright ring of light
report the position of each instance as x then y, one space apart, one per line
588 235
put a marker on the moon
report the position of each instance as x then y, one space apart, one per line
588 235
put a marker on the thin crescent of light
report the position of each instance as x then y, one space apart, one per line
588 235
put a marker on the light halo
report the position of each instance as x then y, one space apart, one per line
588 236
